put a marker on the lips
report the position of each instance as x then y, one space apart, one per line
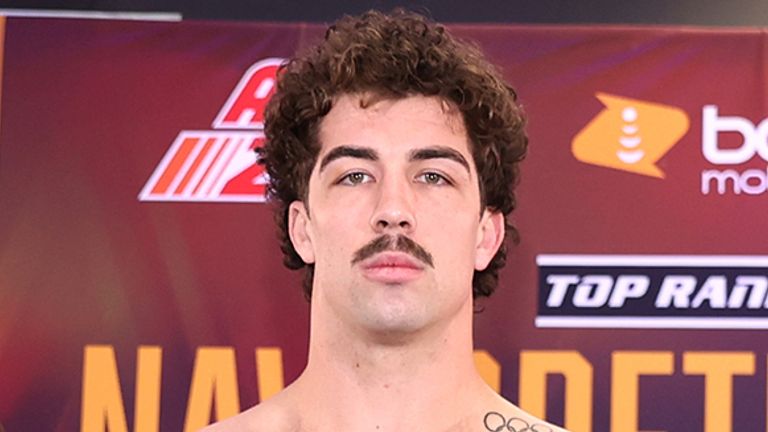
392 268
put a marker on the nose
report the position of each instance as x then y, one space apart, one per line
394 209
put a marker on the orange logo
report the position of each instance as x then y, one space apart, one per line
630 135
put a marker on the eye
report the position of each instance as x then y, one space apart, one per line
355 178
433 178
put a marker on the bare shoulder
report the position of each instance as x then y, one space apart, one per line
501 415
270 416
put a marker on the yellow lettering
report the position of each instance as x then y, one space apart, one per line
269 372
146 416
214 378
578 373
102 400
627 366
489 369
718 369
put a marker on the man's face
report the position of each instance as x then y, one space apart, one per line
393 221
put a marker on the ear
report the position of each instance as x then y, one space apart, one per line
490 234
299 230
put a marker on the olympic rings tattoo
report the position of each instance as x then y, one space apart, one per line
495 422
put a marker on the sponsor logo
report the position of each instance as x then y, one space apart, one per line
630 135
220 165
633 135
754 142
653 291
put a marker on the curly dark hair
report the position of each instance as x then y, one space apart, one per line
393 56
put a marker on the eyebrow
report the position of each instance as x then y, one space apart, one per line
439 152
348 151
436 152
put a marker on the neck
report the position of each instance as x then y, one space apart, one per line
374 375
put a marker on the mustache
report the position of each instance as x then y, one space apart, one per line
399 243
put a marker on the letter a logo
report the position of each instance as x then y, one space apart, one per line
630 135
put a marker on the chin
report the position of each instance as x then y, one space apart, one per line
393 335
397 313
396 323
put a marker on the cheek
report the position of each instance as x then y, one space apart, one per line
460 202
339 230
450 234
449 207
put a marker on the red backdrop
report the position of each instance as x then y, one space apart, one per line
90 110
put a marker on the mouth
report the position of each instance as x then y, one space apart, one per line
392 268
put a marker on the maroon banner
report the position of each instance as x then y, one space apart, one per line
141 284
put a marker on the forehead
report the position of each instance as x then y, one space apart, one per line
393 124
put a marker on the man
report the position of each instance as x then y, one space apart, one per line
392 151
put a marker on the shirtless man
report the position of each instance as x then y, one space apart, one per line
393 152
